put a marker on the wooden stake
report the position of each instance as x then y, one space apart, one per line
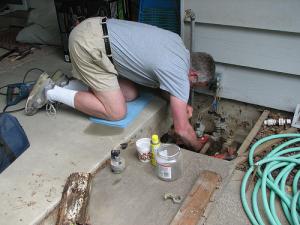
74 201
196 202
263 147
253 132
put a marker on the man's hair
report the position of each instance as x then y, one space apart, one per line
204 64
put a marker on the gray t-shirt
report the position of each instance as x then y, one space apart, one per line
150 56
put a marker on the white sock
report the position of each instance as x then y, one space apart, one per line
62 95
77 85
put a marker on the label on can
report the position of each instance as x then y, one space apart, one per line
164 171
154 148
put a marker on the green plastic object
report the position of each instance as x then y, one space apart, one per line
285 158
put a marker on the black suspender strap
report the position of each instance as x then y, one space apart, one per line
106 39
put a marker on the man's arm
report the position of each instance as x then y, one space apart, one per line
181 123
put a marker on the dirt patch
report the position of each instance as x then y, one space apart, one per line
267 131
227 128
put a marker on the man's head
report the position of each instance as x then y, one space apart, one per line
202 69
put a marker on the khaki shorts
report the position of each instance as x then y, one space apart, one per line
88 56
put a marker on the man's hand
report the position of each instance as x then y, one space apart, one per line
181 113
201 141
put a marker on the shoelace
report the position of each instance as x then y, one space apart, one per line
50 105
50 108
26 108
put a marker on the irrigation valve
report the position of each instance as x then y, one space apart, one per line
199 128
215 83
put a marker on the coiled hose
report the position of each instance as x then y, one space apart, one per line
286 159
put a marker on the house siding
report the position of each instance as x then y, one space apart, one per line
256 45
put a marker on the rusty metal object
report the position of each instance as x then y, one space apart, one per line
177 199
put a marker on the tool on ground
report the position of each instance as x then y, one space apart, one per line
15 93
22 54
284 158
117 163
19 53
177 199
7 54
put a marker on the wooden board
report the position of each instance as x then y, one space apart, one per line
196 202
74 202
260 149
253 132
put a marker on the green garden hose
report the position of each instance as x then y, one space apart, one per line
284 158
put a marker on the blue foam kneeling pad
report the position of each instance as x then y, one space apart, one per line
133 110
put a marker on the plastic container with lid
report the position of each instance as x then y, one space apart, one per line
169 162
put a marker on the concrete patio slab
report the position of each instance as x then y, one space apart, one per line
136 195
31 187
228 209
